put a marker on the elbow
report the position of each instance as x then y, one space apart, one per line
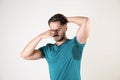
84 21
23 56
87 19
26 57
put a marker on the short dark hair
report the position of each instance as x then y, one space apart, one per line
58 17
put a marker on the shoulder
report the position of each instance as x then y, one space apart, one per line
75 41
47 46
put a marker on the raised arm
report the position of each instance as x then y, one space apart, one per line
84 28
29 52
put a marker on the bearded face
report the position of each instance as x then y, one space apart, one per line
59 29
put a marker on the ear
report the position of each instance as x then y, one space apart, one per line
66 27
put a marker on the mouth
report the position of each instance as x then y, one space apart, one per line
56 35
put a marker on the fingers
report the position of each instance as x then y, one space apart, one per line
47 34
51 33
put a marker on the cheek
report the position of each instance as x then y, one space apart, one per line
61 32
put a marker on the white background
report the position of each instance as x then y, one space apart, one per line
22 20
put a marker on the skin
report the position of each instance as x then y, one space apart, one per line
58 32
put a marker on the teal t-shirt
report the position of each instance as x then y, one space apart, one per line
64 61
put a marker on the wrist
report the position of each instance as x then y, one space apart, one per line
39 37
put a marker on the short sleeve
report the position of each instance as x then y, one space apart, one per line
45 50
77 43
42 49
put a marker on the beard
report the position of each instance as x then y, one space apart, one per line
59 38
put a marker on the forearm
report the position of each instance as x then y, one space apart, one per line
79 20
30 47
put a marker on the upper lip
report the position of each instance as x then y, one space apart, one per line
56 35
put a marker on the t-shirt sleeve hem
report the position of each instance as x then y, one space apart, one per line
78 43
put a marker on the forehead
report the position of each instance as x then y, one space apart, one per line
55 25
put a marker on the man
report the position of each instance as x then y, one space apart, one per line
63 57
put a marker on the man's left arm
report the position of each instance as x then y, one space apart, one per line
83 30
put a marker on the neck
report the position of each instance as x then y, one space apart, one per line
61 42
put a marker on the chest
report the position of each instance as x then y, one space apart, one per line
63 53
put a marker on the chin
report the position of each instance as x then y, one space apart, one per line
58 40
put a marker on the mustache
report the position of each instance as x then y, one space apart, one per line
56 35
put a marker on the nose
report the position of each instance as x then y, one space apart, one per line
56 33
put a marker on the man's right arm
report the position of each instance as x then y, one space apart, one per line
29 52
